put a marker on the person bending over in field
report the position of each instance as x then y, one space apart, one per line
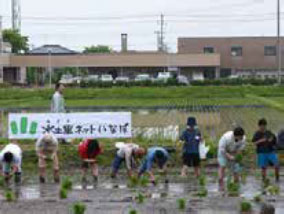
191 137
89 149
231 144
128 153
47 149
11 161
265 142
156 155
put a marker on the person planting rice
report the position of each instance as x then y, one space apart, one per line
191 137
89 149
157 155
128 153
11 161
265 142
231 144
47 148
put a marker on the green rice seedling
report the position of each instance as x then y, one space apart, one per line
202 180
266 182
144 181
2 182
181 203
273 190
63 193
239 158
79 208
257 198
133 182
245 206
140 198
132 211
244 177
257 175
10 196
202 193
271 174
233 189
66 183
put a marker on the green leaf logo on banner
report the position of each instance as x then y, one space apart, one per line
23 127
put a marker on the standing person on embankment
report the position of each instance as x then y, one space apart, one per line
57 101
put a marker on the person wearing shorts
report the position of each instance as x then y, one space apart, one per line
127 153
11 161
47 149
265 142
230 145
191 138
89 149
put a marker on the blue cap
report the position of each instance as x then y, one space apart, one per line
191 121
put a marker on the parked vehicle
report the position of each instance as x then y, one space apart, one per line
197 76
106 78
122 79
164 75
142 77
77 79
66 79
91 78
182 80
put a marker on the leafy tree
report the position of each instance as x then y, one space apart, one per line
19 43
98 49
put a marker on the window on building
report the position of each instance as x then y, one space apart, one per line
236 51
208 50
270 50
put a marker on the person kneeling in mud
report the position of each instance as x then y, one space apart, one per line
191 137
231 145
89 149
47 149
11 161
157 155
128 153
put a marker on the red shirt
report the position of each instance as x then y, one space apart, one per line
83 150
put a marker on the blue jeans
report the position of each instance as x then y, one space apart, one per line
116 163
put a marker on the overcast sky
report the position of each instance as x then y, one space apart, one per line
76 24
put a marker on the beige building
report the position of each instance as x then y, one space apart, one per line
116 64
240 56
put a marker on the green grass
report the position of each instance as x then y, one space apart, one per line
147 96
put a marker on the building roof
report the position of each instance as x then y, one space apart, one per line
118 60
51 49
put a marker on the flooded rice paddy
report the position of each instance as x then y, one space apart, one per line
113 196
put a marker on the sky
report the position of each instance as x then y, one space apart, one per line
77 24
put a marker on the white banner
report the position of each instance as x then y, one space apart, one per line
71 125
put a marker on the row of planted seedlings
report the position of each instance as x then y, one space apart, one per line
65 188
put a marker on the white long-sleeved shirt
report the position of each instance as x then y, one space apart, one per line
57 103
227 144
126 152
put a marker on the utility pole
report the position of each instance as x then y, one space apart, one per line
279 43
16 15
162 32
